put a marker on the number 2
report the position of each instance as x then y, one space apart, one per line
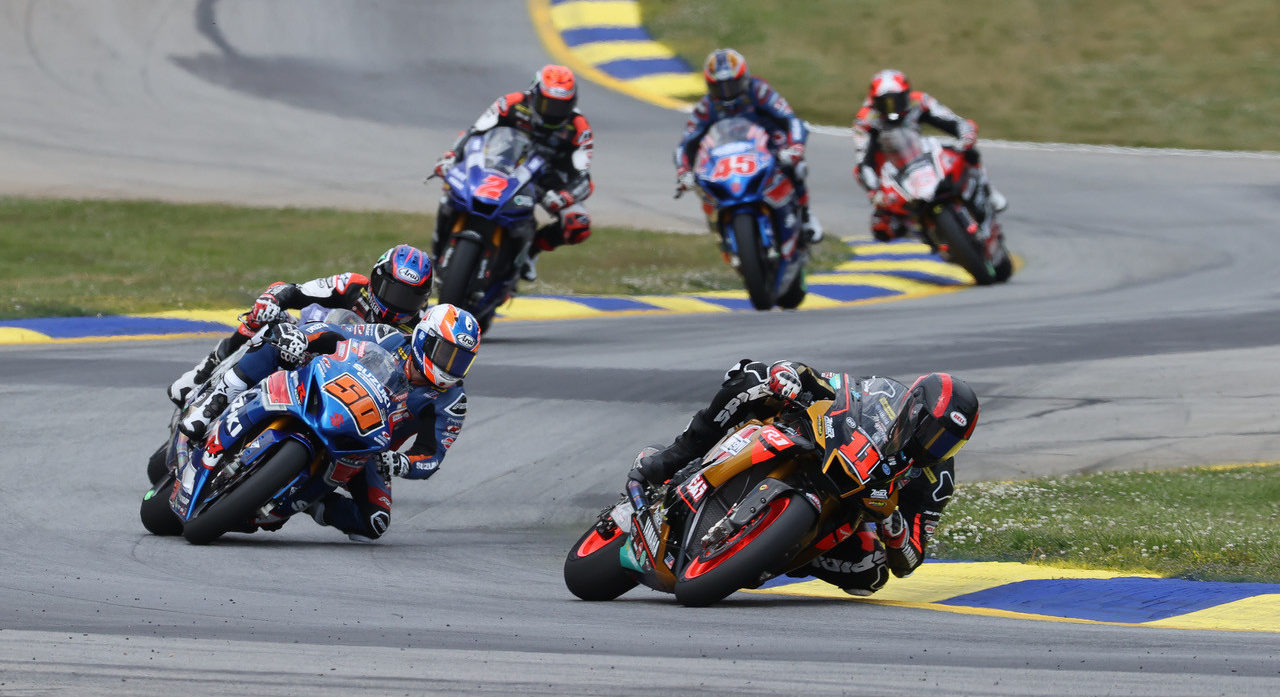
492 187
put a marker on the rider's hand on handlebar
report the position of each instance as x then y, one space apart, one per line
684 179
791 154
554 201
784 381
394 464
893 530
445 163
265 311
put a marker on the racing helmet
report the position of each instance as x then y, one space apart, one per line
444 344
726 75
890 94
936 420
553 94
399 284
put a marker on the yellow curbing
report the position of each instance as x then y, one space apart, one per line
540 12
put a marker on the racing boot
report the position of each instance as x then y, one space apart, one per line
529 269
201 414
998 202
193 378
810 225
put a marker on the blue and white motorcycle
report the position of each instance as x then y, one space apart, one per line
493 189
278 447
756 211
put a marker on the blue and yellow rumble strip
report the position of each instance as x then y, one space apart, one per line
604 41
1009 589
875 273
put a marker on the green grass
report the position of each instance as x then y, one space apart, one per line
71 258
1178 73
1202 523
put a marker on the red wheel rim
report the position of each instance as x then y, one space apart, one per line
699 566
595 542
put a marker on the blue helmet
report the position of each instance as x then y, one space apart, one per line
400 284
444 344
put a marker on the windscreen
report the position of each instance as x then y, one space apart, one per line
505 148
900 145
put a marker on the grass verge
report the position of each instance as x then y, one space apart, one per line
1177 73
72 258
1205 523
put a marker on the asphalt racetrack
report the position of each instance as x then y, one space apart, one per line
1142 333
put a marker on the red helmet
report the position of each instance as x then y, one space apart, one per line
890 93
936 420
726 74
554 94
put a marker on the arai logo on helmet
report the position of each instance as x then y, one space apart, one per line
408 275
466 341
959 419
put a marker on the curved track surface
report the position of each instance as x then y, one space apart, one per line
1142 333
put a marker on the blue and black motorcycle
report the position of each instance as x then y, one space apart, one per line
756 211
492 188
277 448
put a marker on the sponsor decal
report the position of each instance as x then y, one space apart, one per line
466 341
848 421
336 420
959 419
888 409
813 499
459 406
697 488
879 493
409 275
828 427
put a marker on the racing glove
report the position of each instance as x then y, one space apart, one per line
784 381
684 179
791 154
445 163
893 530
553 201
266 309
394 464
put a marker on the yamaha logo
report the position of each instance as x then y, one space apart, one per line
959 419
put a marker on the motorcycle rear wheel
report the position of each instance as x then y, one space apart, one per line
962 249
158 465
455 284
763 544
592 570
752 263
157 516
238 506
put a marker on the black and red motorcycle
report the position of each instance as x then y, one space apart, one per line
949 198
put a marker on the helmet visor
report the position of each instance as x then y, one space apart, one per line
728 90
934 439
398 295
552 110
892 106
449 357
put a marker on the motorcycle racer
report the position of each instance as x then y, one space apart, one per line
891 103
922 445
548 112
430 409
733 91
395 292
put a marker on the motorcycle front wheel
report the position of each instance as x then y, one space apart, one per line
455 283
156 513
592 570
963 249
752 263
765 542
238 506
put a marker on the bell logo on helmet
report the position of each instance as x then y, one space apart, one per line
959 419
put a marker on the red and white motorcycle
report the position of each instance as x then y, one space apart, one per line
949 198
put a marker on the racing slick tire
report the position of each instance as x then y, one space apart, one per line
239 505
455 282
962 249
157 516
752 263
592 570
